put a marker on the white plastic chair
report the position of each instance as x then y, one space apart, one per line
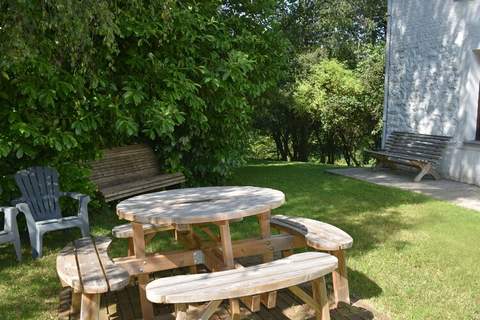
9 234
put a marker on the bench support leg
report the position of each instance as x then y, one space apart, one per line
425 169
210 309
139 248
319 290
90 308
76 302
340 279
235 309
180 311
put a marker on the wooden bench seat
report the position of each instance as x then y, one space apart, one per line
85 266
130 170
232 284
323 237
414 150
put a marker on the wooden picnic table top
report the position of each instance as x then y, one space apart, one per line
199 205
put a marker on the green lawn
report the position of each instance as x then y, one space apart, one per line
413 257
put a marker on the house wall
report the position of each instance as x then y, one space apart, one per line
433 77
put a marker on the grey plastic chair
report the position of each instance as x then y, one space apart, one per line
9 234
40 202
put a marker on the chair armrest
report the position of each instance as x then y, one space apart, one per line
83 201
25 209
14 202
75 195
10 223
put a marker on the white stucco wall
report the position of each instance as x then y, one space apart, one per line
433 77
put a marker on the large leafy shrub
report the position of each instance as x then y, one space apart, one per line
79 76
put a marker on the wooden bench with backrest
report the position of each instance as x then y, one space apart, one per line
130 170
414 150
85 266
215 287
323 237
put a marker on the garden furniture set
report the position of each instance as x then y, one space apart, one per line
191 213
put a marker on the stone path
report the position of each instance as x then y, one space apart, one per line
461 194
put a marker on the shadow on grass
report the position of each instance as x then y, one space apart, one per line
371 214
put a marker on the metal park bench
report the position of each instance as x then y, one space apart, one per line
414 150
130 170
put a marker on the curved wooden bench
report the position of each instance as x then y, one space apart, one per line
323 237
232 284
85 266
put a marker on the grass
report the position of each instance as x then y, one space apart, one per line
413 257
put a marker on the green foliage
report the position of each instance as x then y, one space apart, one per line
340 104
327 113
80 76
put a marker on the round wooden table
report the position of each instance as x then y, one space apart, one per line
199 205
193 206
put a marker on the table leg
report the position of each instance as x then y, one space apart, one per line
139 251
268 299
227 252
226 242
185 236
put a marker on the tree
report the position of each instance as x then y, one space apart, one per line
349 32
77 77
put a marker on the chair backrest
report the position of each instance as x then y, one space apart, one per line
124 164
40 190
422 146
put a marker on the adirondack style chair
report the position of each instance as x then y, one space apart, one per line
9 234
40 204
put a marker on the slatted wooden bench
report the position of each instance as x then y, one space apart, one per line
232 284
414 150
84 266
130 170
323 237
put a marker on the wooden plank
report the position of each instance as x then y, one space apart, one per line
67 268
318 235
89 266
126 231
117 277
271 276
425 136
